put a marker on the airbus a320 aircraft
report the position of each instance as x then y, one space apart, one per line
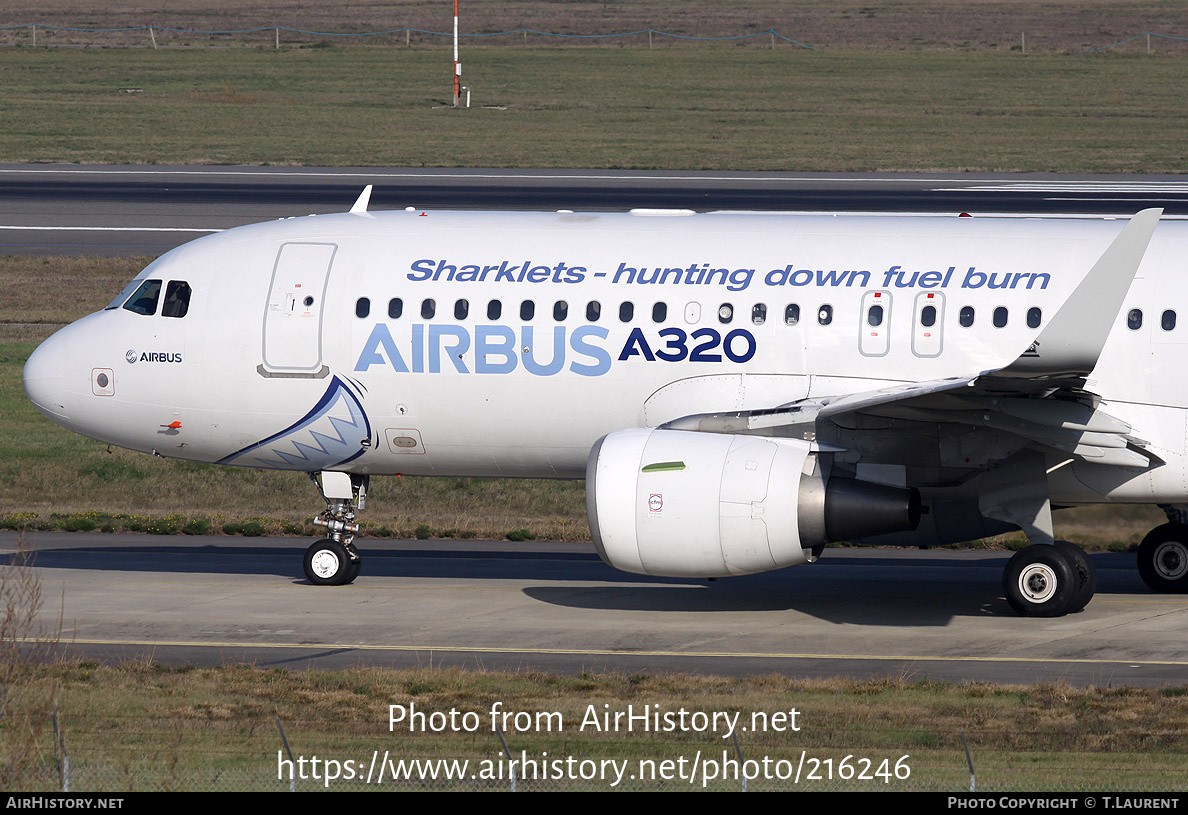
738 389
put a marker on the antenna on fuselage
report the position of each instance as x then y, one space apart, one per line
360 207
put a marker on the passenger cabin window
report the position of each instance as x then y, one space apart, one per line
874 316
1034 316
560 310
395 308
144 299
362 307
626 312
725 313
1134 319
966 317
461 309
177 299
494 309
593 311
1168 320
428 309
527 310
759 313
1000 317
928 316
792 314
659 312
825 315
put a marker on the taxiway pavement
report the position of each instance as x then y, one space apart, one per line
556 607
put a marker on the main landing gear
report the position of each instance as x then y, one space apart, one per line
1049 580
1163 557
334 560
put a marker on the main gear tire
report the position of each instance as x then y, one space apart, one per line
1040 581
1163 559
1086 574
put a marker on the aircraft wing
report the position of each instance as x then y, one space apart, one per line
804 413
1039 397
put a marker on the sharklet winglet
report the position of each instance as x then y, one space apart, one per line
1073 339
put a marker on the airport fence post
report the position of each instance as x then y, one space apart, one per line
153 37
649 39
973 781
278 38
507 752
741 763
292 762
34 27
62 757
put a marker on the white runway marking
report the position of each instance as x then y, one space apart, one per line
1073 186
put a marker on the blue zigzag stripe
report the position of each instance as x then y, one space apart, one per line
300 447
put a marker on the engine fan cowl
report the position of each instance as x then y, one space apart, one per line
686 504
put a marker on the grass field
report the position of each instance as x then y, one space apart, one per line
1049 25
144 726
713 108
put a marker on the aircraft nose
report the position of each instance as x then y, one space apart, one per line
45 377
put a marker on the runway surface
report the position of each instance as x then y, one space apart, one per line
557 607
131 211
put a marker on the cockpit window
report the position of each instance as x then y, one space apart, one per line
144 299
177 299
124 294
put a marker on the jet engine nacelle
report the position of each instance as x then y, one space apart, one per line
686 504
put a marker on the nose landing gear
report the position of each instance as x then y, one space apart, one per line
334 560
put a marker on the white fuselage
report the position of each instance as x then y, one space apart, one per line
287 355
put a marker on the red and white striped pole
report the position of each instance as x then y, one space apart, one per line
457 65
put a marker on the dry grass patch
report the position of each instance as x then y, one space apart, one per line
55 291
715 109
153 720
1049 25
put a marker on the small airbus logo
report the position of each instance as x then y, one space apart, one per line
152 356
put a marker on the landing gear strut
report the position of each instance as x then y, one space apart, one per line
334 560
1050 578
